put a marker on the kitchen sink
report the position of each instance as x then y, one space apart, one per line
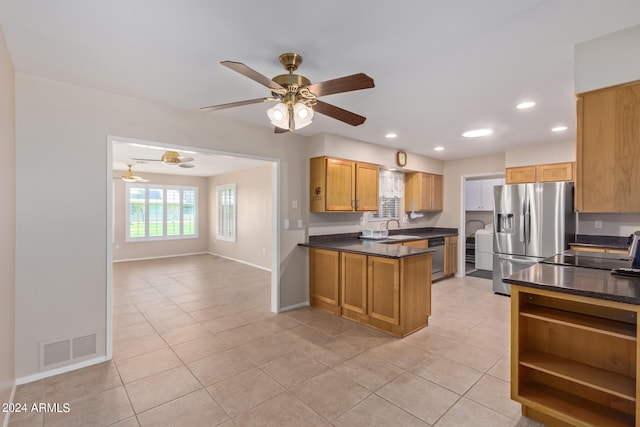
403 237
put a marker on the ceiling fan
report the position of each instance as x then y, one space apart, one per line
130 176
297 97
171 158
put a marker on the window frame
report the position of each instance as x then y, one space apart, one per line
164 236
377 216
220 225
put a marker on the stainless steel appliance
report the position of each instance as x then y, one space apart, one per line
437 258
531 222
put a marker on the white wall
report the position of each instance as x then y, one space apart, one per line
123 250
254 219
607 61
61 203
7 224
612 224
540 154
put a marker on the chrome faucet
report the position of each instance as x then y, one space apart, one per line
392 219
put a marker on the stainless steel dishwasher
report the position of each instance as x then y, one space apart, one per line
437 258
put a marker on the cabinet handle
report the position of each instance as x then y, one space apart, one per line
358 204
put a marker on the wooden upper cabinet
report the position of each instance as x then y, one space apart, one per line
339 185
552 172
367 183
555 172
521 175
608 150
423 192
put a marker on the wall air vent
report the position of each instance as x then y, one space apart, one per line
64 352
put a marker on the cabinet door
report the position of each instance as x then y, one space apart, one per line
340 185
383 285
521 175
367 182
555 172
450 255
473 195
353 275
436 193
608 137
324 270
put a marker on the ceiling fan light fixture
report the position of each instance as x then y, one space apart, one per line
279 115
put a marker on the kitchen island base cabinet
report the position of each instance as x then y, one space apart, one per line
389 294
574 358
398 294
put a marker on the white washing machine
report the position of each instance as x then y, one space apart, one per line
484 249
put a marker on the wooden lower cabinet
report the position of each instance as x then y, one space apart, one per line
574 359
450 255
324 280
389 294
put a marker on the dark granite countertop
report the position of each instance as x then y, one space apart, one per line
586 282
606 242
369 247
351 242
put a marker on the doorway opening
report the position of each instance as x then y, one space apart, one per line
476 221
207 165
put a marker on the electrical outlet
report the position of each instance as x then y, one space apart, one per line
300 224
286 224
598 224
362 220
294 204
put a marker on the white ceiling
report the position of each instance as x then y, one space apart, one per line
440 67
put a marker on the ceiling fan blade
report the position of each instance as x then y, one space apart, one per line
186 165
338 113
147 160
184 159
342 84
252 74
280 130
238 104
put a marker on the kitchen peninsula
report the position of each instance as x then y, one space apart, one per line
385 284
574 345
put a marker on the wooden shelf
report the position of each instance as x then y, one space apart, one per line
572 409
599 325
600 379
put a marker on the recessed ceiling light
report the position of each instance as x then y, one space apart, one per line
525 105
391 135
477 132
559 128
439 149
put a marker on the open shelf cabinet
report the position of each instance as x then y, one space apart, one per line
574 359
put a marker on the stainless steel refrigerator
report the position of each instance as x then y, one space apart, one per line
531 222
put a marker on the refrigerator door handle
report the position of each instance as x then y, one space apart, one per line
527 221
518 261
521 231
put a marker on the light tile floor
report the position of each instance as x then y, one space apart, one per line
196 345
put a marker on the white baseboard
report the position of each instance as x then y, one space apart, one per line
294 306
62 370
159 257
241 261
11 397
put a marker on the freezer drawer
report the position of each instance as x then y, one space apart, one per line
506 265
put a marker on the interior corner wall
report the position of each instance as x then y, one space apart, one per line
540 154
254 219
61 200
7 224
608 60
123 250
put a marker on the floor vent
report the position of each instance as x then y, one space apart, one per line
64 352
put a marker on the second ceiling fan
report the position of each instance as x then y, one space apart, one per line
297 97
171 158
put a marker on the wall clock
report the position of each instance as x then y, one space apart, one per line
401 158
